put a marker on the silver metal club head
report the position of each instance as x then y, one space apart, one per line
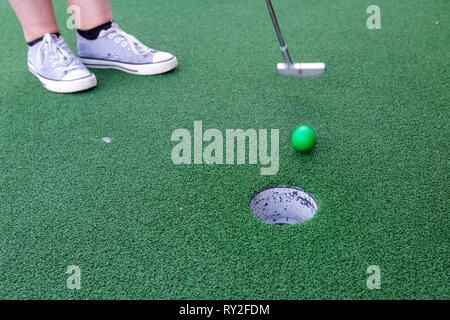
288 68
302 70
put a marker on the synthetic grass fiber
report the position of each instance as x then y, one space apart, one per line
140 227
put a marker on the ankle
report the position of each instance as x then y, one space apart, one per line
37 40
93 33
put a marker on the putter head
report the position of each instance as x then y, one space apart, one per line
301 70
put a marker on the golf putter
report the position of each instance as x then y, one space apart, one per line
288 68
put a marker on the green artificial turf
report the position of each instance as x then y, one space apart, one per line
379 172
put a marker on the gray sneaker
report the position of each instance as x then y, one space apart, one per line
58 69
116 49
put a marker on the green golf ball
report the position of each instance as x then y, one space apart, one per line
304 138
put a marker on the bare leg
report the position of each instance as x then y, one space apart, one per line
93 13
37 17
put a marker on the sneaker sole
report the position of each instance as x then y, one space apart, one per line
65 86
139 69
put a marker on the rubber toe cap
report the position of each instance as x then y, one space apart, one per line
161 56
76 74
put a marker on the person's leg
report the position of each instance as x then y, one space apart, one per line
93 13
37 17
49 57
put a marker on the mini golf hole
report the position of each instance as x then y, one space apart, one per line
283 205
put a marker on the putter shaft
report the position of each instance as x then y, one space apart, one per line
283 46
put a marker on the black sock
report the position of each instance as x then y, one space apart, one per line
92 34
32 43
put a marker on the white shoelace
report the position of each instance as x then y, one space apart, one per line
64 57
121 37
